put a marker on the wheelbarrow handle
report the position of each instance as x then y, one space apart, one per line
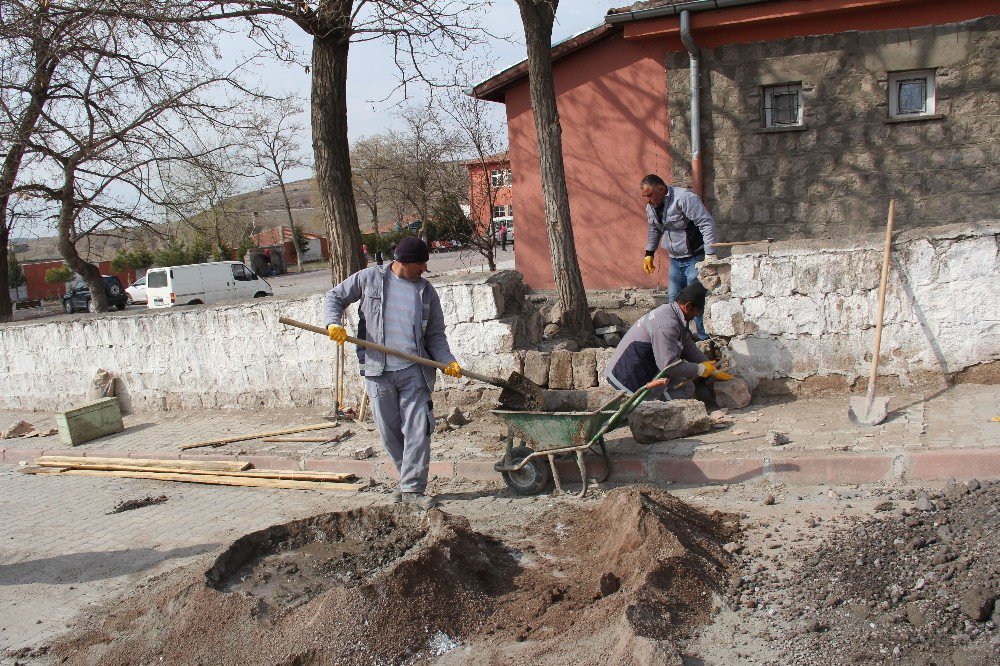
394 352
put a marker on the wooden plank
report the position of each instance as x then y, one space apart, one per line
154 463
252 474
259 435
209 479
278 440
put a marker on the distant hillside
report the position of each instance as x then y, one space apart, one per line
266 205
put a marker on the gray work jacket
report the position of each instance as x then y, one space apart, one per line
368 286
686 229
659 338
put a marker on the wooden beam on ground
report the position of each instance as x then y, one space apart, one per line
209 479
258 435
278 440
251 474
145 463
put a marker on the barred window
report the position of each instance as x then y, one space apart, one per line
783 105
911 93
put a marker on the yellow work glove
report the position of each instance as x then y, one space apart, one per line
453 370
721 376
648 265
706 369
337 333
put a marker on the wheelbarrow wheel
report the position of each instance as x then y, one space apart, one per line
531 479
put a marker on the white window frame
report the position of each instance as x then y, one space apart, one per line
503 213
784 89
500 177
896 79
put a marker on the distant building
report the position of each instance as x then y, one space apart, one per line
318 248
491 197
813 114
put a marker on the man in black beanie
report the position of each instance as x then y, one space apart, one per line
401 310
659 338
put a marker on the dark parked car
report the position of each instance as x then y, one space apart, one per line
78 298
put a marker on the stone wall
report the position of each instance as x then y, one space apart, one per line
796 312
835 175
237 355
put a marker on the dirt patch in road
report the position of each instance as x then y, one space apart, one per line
918 586
391 585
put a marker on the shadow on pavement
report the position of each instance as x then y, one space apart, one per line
93 565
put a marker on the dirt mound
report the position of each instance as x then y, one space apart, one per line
609 582
613 583
916 587
377 585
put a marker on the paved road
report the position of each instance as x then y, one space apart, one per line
301 284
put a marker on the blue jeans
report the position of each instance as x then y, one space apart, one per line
682 273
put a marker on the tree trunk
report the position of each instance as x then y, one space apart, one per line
331 150
40 88
537 17
90 273
291 222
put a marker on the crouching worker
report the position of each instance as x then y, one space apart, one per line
659 338
401 310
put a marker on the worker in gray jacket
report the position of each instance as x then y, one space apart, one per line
680 224
401 310
658 339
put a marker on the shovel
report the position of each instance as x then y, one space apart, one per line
519 393
871 410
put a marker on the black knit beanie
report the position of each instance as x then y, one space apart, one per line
411 250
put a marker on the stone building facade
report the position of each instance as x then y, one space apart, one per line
835 172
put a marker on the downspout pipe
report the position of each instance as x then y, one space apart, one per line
695 66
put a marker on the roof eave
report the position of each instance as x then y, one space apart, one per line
493 89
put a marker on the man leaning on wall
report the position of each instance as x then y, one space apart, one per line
680 224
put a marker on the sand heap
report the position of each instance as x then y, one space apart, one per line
618 580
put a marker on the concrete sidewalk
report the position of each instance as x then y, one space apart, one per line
945 435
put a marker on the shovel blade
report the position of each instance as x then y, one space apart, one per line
520 394
861 414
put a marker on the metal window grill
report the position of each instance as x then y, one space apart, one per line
782 106
911 95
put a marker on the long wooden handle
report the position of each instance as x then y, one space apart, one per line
394 352
756 242
881 305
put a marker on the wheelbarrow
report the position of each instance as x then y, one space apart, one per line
550 434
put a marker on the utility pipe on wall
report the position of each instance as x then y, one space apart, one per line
692 49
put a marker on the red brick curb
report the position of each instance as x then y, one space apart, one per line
658 468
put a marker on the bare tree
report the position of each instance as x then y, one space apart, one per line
418 29
33 42
371 160
124 94
537 17
486 141
425 161
275 139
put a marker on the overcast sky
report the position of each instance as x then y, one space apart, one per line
372 76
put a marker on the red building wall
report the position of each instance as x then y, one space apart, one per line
480 195
38 288
612 107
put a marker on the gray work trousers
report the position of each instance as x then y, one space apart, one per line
404 416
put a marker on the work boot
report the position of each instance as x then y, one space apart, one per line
396 496
421 500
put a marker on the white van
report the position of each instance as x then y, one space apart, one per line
202 283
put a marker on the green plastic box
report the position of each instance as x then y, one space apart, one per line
89 421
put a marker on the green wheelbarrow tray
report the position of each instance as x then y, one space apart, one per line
554 433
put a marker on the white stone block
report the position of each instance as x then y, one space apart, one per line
488 302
